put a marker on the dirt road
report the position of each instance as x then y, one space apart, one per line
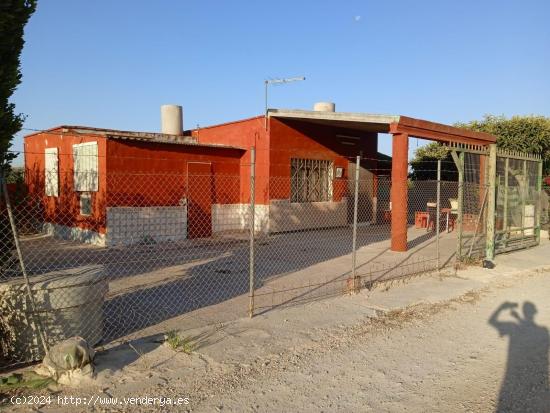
458 356
473 342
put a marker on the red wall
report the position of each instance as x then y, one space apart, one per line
298 139
155 174
64 209
245 134
285 140
131 173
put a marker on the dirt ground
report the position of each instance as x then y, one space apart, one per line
367 352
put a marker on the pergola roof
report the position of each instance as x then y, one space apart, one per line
386 124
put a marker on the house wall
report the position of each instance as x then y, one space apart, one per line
274 150
155 174
245 134
61 214
150 190
295 139
143 189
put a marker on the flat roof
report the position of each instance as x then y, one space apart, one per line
386 124
354 120
152 137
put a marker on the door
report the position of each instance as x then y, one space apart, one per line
199 199
365 208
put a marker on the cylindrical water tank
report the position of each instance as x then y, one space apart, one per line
68 303
171 119
324 107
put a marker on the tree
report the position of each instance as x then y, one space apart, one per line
519 133
14 15
424 163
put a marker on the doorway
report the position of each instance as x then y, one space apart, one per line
200 197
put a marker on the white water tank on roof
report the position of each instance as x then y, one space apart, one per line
324 107
171 119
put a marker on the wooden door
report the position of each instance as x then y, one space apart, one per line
199 199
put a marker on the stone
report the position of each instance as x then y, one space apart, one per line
69 362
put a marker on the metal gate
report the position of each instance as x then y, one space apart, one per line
499 200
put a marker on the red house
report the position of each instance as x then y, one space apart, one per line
109 187
303 163
146 186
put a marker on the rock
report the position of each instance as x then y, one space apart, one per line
68 362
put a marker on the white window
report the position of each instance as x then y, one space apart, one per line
85 167
85 203
51 170
310 180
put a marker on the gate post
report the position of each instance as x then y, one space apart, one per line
460 213
491 203
539 201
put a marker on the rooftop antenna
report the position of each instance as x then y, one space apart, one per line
268 82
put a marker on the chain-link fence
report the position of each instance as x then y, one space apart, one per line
474 199
111 256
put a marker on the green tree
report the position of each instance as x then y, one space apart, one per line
519 133
14 15
424 163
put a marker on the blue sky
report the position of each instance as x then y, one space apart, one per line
113 63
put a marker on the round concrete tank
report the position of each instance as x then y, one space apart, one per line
171 119
68 303
324 107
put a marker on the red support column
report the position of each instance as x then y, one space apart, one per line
399 191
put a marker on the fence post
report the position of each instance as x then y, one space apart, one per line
491 201
524 193
438 211
354 239
505 212
35 317
539 200
460 211
252 219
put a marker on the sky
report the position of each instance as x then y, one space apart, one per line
111 64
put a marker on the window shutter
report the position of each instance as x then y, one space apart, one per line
51 170
85 167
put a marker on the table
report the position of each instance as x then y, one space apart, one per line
448 212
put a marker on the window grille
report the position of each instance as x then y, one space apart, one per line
310 180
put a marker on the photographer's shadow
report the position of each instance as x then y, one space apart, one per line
525 384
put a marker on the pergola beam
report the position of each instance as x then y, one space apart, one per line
439 132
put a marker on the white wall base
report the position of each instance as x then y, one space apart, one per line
74 234
134 225
291 216
234 217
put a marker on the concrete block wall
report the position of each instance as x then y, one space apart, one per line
133 225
